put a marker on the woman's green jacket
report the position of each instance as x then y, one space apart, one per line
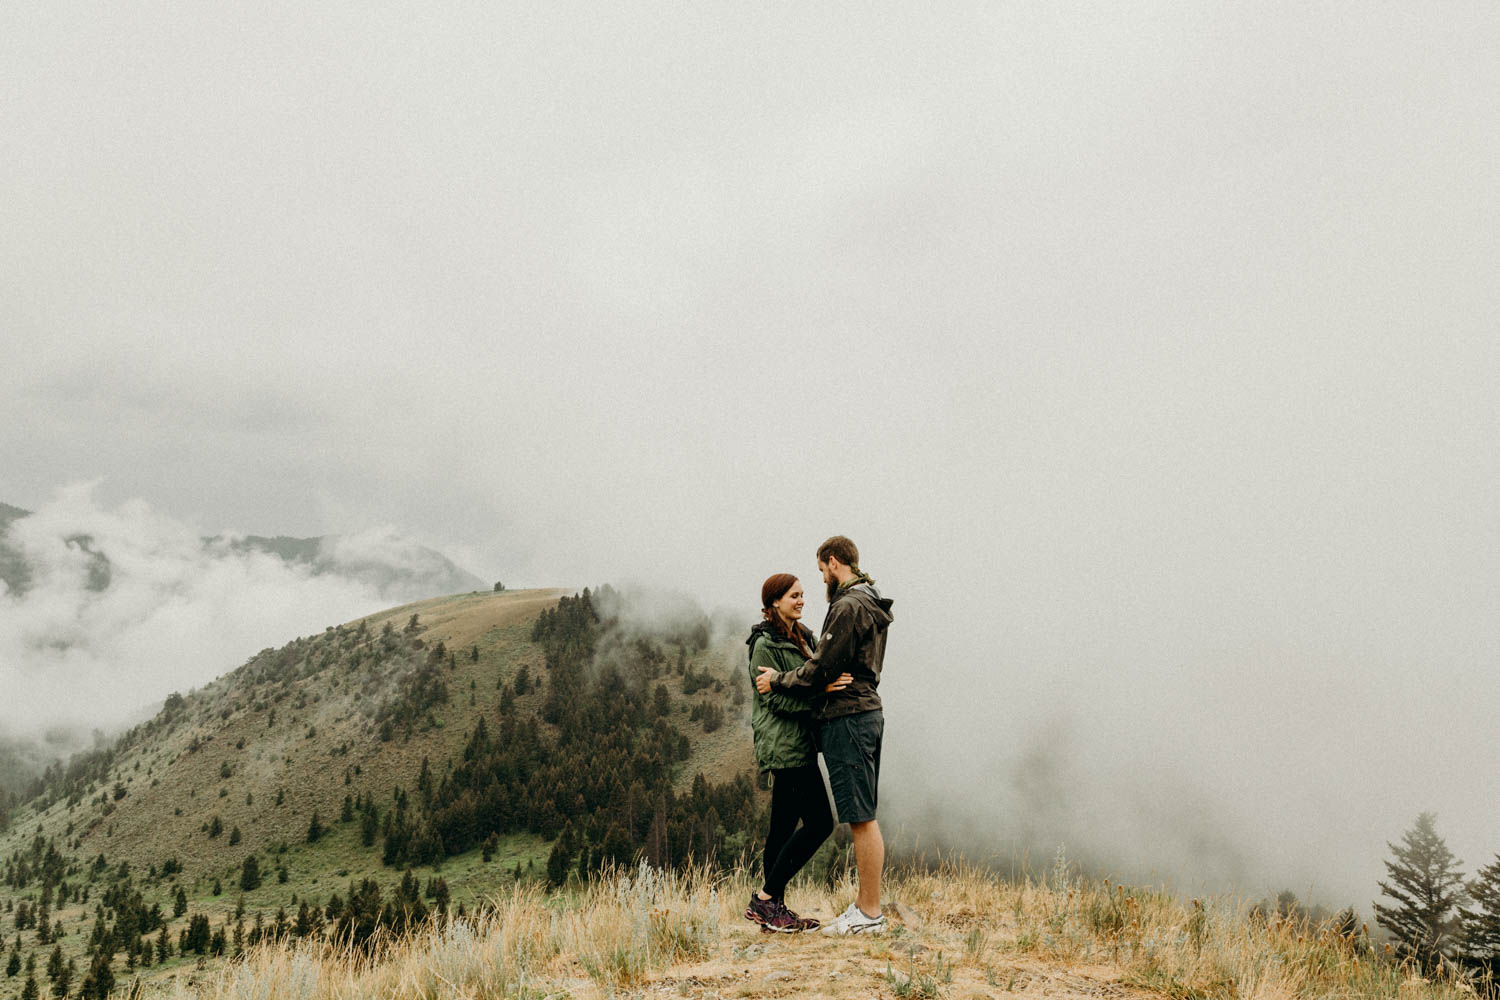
782 723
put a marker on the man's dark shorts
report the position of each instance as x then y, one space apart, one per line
851 749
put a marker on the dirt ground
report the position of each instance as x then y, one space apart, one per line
909 961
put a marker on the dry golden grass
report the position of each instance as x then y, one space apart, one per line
961 933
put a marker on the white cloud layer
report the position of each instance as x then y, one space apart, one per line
175 613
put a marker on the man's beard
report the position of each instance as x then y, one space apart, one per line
833 589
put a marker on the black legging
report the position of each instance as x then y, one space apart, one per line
796 794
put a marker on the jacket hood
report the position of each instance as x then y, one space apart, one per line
772 635
865 593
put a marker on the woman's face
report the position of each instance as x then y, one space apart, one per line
789 605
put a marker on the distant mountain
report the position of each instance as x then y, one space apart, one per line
397 568
394 566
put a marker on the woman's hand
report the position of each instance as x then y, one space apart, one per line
839 683
763 682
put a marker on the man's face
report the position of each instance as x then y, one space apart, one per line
826 568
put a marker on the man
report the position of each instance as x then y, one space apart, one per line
850 721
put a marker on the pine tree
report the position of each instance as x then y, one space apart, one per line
1425 885
369 825
179 904
314 828
29 991
557 865
1481 925
616 849
64 980
250 874
100 980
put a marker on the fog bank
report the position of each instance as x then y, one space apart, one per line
124 605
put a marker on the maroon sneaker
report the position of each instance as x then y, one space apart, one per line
761 911
803 923
783 920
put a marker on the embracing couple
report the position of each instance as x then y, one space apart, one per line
819 693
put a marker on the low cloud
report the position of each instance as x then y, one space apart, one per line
124 605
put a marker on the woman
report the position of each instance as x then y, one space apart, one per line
784 746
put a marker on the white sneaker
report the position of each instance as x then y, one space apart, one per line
854 921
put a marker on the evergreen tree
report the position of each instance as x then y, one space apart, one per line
250 874
13 966
304 925
1481 925
179 904
99 981
314 828
64 979
557 865
1425 887
616 849
234 836
369 825
29 991
197 936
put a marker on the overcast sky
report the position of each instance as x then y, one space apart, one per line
1148 352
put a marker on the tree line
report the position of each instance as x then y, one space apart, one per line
593 770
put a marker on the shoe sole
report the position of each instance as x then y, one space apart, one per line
860 929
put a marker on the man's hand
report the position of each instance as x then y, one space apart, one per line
839 683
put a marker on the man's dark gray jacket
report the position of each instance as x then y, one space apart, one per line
853 642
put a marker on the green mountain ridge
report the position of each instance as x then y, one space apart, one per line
472 737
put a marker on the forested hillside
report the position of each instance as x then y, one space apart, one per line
359 778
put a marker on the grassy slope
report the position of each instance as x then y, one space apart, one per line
173 791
